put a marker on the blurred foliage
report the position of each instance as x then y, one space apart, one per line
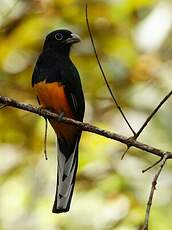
110 193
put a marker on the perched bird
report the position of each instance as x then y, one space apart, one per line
58 88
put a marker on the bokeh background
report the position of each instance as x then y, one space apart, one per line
133 39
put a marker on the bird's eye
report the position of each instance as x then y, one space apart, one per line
58 36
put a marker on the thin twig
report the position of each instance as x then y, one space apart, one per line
152 114
45 139
152 166
103 73
153 188
125 152
128 147
84 126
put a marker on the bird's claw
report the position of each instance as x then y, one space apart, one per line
41 107
61 115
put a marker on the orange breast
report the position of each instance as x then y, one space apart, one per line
52 96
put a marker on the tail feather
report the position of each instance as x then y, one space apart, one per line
67 167
65 183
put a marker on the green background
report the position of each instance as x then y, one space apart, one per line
109 193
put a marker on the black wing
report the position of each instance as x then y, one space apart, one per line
73 91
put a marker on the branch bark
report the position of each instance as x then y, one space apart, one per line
129 141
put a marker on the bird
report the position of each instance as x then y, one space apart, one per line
57 85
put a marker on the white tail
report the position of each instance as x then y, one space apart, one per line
67 168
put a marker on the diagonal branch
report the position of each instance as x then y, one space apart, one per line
136 135
152 166
84 126
152 114
153 188
103 73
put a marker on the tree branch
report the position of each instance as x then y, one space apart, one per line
152 114
153 188
131 141
84 126
103 73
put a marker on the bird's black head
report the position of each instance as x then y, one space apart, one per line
60 40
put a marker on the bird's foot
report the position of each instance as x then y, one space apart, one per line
61 115
40 108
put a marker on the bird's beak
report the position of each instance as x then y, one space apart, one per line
74 39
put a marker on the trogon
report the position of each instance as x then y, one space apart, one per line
57 84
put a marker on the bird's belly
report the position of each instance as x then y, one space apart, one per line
52 96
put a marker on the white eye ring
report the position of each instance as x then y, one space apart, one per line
58 36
